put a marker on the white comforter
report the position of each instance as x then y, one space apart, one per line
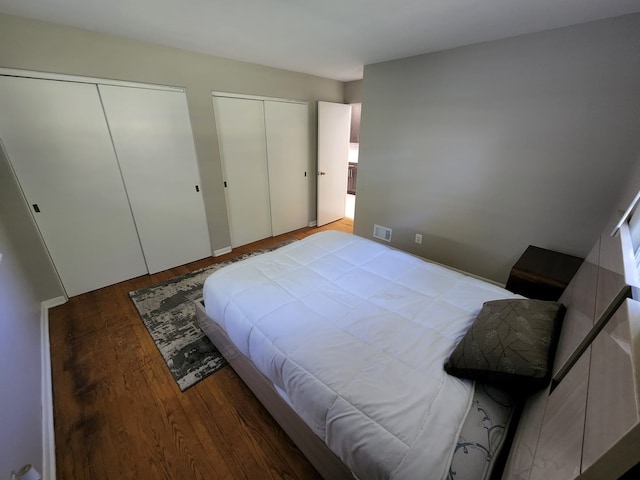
355 334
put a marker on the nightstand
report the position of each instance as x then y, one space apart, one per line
542 274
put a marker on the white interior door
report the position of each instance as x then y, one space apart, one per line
334 121
152 136
287 132
241 138
56 137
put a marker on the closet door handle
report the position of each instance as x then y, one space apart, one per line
36 208
321 173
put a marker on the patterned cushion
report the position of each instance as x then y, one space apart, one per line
510 344
483 434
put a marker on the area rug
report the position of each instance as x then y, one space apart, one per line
168 312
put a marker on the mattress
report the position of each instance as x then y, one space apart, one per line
354 335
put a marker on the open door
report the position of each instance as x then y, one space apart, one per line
334 122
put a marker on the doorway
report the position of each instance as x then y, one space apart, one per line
354 150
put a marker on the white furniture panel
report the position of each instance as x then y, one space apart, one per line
580 296
287 133
334 121
242 143
612 428
525 440
152 135
56 137
604 280
617 271
559 451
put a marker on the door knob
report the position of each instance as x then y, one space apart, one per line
321 173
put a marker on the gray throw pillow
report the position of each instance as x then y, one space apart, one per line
510 344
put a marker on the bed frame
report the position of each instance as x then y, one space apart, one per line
585 425
321 457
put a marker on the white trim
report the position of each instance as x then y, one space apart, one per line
257 97
14 72
313 223
221 251
626 214
629 268
48 437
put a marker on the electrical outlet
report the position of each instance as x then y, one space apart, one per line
418 238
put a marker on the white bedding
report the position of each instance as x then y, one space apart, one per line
355 334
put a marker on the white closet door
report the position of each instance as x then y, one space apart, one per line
287 127
152 136
241 138
334 121
56 137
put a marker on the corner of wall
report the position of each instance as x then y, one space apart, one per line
352 91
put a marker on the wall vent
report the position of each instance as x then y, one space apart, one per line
383 233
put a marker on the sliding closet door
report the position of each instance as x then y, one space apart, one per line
287 131
152 136
56 137
241 138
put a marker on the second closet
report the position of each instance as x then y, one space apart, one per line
264 147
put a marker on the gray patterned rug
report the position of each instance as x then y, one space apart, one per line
168 312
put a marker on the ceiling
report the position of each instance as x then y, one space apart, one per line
329 38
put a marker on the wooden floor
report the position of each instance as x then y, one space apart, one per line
119 414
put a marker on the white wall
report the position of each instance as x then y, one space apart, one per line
489 148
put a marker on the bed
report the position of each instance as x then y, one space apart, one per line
344 341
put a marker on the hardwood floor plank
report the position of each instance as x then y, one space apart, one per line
119 414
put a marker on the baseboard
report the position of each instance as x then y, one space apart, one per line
48 437
221 251
313 223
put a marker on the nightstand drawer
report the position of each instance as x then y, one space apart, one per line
542 274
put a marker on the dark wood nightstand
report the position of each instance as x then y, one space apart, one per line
542 274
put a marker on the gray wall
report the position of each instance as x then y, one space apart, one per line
353 92
489 148
31 45
26 279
